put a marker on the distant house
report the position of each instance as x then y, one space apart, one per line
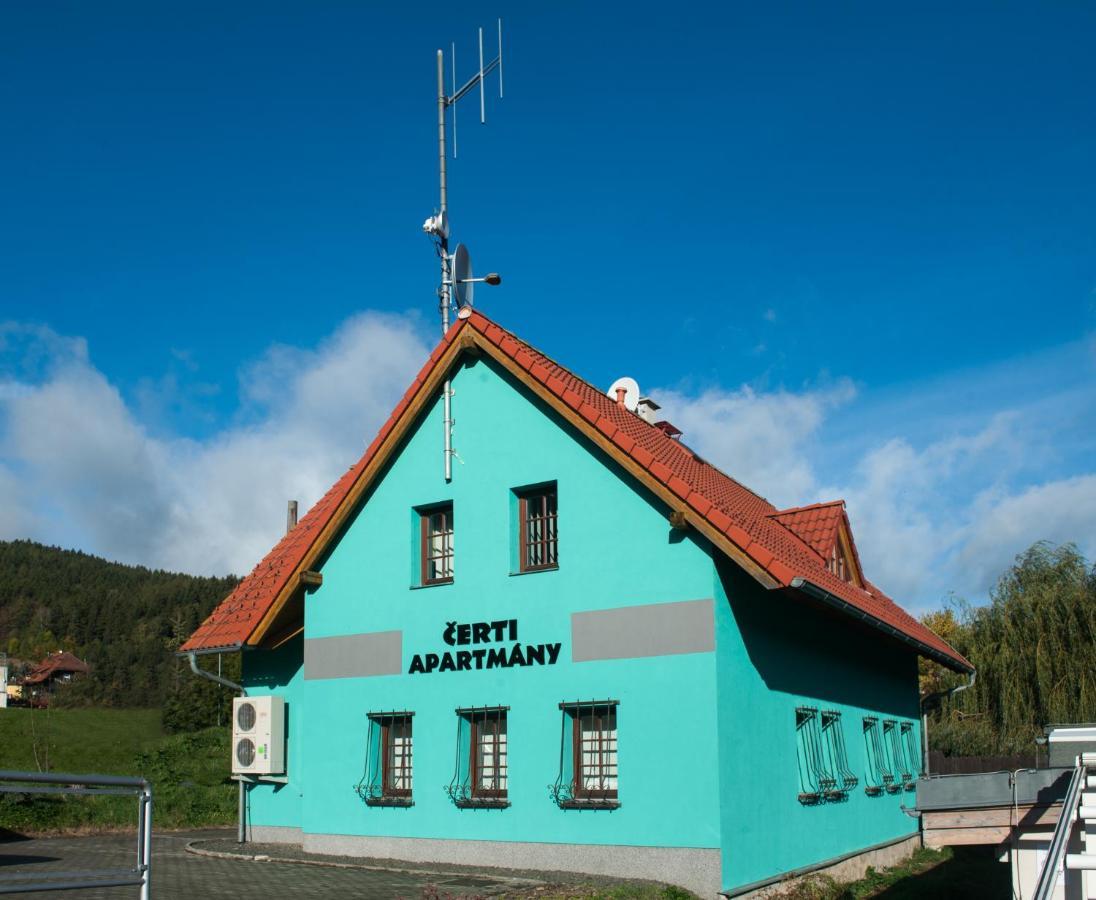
606 654
57 668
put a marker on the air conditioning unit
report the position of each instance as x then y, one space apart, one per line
258 735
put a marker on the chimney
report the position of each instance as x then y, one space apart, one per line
291 516
669 429
621 392
646 409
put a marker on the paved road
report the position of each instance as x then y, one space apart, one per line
178 875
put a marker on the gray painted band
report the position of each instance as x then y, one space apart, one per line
658 629
354 655
697 869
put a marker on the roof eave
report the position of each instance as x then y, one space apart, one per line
210 651
818 593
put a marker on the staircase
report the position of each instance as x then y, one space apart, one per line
1077 827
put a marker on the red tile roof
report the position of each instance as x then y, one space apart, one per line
747 521
817 525
59 663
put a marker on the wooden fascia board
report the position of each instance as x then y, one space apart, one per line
364 480
844 538
656 487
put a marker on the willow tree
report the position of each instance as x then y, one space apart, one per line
1034 646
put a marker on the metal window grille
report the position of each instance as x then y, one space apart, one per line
539 535
816 782
879 777
913 755
480 772
837 755
437 545
387 778
591 758
898 763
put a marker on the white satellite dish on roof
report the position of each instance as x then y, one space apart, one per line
631 392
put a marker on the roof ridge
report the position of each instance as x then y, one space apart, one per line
682 445
807 508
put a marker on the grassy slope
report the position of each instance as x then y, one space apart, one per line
189 772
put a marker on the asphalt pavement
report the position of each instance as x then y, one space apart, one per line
181 875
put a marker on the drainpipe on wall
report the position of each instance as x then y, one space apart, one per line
241 811
925 715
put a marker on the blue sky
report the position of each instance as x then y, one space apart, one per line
851 247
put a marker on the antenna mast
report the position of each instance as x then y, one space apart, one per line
437 225
443 234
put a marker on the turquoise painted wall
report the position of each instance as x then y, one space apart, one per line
776 653
280 672
615 549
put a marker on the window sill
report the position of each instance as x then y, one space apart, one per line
484 803
590 804
535 571
432 584
390 801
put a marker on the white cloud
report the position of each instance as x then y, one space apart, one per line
101 481
944 511
942 495
759 438
1002 524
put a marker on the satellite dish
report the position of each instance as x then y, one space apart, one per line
631 392
462 276
438 225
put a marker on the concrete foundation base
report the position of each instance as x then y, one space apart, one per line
847 868
274 834
697 870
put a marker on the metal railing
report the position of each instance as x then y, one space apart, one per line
89 785
1052 865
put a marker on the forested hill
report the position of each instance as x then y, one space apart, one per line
125 621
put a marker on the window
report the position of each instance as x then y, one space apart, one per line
396 741
489 756
909 740
387 777
596 753
588 756
436 524
815 781
480 779
879 776
900 763
538 540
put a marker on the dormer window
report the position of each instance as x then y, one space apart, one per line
838 565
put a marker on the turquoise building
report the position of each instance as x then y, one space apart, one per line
587 650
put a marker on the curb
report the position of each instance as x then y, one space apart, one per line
192 847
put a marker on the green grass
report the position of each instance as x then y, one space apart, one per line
189 772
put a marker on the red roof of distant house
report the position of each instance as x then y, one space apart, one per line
60 663
749 524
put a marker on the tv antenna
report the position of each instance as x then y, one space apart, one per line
457 279
456 272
